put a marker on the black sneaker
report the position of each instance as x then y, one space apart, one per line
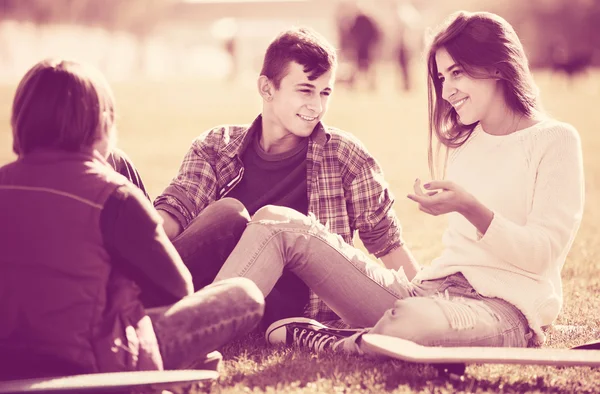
306 333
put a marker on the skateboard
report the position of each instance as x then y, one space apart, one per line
593 345
454 359
109 382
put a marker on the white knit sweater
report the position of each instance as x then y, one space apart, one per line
533 182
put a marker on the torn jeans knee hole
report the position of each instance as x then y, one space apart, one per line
461 314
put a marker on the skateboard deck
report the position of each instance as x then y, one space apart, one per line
589 346
107 382
409 351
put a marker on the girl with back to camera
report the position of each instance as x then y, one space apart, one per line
89 281
513 191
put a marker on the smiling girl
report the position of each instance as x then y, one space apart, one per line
513 192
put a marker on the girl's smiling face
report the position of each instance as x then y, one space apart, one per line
473 99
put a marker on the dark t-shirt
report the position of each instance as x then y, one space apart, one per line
273 179
276 179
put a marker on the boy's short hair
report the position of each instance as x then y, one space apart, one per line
303 46
61 105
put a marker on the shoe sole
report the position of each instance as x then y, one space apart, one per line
212 361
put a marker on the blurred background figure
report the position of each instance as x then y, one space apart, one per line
409 38
344 17
364 36
226 30
572 51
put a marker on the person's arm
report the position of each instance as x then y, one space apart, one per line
402 258
554 217
369 204
138 247
192 190
122 164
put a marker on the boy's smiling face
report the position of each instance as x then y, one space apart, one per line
299 104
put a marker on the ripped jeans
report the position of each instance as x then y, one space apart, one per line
442 312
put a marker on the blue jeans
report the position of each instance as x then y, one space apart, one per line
445 312
206 320
209 239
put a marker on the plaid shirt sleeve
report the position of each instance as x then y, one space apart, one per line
369 202
369 207
195 185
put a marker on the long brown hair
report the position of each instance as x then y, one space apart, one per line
478 42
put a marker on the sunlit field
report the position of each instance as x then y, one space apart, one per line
158 120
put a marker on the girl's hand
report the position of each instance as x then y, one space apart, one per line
442 197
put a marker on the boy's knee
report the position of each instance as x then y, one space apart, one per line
228 214
232 210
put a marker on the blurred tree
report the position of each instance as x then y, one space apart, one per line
39 12
138 17
561 34
43 11
569 33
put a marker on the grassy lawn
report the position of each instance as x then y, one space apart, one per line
157 122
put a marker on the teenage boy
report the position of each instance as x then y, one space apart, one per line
286 157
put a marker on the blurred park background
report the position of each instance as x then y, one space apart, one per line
179 68
220 39
182 66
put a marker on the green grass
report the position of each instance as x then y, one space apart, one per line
157 122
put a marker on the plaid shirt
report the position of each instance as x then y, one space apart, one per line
345 185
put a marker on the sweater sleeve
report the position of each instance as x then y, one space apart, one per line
139 247
555 214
